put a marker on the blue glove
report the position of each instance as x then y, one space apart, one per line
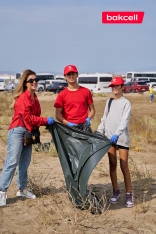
71 124
88 121
50 120
114 139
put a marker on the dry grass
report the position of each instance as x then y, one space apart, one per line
47 147
143 131
5 115
59 215
141 182
64 217
5 101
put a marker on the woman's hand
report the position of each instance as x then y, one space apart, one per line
50 120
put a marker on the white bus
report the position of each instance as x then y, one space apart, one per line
41 76
134 76
97 83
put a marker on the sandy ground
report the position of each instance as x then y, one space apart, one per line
52 212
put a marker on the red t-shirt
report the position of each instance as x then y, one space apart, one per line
74 104
30 112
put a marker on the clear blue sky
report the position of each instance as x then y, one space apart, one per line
47 35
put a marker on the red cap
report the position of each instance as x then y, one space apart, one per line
117 80
70 68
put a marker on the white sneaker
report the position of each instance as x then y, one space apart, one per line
3 197
26 193
129 200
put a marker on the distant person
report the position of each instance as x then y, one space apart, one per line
114 124
151 92
27 113
74 105
12 85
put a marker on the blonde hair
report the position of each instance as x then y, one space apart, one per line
21 87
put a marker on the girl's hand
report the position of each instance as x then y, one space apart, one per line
114 139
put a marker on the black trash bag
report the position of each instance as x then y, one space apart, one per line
79 152
85 127
99 134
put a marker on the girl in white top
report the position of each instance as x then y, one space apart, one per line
114 124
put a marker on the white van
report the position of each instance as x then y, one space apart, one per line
59 77
97 83
2 84
152 84
4 81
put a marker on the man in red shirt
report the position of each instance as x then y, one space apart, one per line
74 105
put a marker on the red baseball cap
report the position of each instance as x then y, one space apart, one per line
70 68
117 80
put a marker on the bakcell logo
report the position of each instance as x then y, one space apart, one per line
117 17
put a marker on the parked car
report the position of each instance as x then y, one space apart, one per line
152 84
45 83
10 87
40 88
42 84
56 87
135 87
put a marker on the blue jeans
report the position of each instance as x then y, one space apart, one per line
151 97
17 155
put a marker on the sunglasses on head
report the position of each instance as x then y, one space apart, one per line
32 80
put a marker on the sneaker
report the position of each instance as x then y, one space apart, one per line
26 193
115 196
3 197
129 200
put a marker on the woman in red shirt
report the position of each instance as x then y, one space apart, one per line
27 113
74 105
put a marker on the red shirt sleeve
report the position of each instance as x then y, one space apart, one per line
27 112
32 113
59 101
90 99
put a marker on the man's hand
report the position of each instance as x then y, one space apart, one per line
71 124
88 121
